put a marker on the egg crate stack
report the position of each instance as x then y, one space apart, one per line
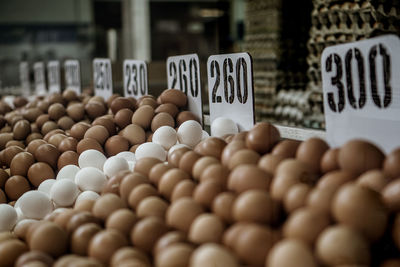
336 22
273 44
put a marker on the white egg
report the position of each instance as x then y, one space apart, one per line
64 192
129 156
46 185
90 178
131 165
87 195
8 217
150 150
92 158
175 147
190 133
20 215
165 136
222 126
113 165
68 172
204 135
35 204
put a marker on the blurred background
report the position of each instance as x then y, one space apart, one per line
284 37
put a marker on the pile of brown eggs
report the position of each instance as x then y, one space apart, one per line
249 199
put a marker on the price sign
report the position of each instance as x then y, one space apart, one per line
72 75
361 88
183 73
53 76
135 78
230 88
102 77
24 77
39 75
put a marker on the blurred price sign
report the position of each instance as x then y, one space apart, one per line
102 77
230 88
72 75
361 89
53 76
183 73
24 77
135 78
40 80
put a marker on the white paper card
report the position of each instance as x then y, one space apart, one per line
39 76
183 73
135 78
72 75
24 77
53 76
102 77
230 88
361 87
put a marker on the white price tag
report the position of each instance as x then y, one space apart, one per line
24 77
102 77
135 78
53 76
183 73
72 75
40 80
230 88
361 87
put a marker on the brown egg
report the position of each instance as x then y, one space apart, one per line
3 198
84 205
67 144
116 144
139 193
15 143
152 206
21 163
3 177
174 96
9 153
162 119
123 117
147 231
306 224
148 101
48 127
176 255
253 244
108 122
168 239
311 151
41 120
206 228
121 103
97 132
129 254
215 172
157 171
81 237
21 129
246 177
262 137
335 179
391 165
230 150
321 199
56 139
33 136
34 256
243 156
143 116
63 218
107 204
81 218
184 188
371 217
390 263
169 180
47 153
16 186
134 134
76 111
129 182
211 146
201 164
339 245
206 191
56 98
350 159
67 158
112 185
222 206
56 111
169 108
10 250
255 206
188 160
52 133
122 220
286 148
373 179
65 123
291 252
4 138
79 129
391 195
144 165
31 114
182 212
38 172
329 161
176 156
105 243
88 143
296 197
270 162
49 238
95 109
289 173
